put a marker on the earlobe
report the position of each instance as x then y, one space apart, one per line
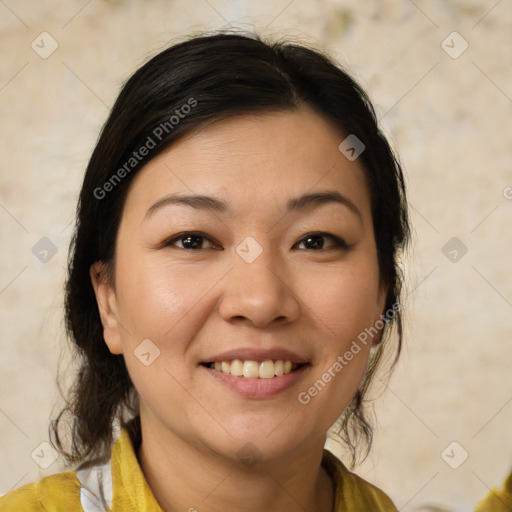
107 307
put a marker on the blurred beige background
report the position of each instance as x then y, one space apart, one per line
446 101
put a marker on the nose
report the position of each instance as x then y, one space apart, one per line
259 293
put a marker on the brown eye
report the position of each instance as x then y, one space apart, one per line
189 241
315 241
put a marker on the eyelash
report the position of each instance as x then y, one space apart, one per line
339 243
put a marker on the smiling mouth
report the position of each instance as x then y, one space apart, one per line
249 369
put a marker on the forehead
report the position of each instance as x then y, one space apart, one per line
253 161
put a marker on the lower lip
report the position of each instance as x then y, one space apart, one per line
258 388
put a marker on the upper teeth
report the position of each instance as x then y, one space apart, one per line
254 370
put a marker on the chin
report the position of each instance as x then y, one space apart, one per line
262 440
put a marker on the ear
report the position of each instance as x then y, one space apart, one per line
379 312
107 306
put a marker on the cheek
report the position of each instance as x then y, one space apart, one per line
153 298
342 308
159 304
344 301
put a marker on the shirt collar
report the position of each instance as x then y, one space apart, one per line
131 491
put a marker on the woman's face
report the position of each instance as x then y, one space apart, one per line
236 270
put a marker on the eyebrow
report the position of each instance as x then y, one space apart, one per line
304 202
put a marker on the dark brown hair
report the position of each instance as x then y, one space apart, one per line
214 76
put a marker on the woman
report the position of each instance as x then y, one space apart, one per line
233 280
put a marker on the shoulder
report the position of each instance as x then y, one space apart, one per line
364 494
497 500
55 492
353 492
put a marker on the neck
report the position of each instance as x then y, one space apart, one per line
184 478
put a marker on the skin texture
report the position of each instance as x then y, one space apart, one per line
195 303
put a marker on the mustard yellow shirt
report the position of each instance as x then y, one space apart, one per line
119 486
497 500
